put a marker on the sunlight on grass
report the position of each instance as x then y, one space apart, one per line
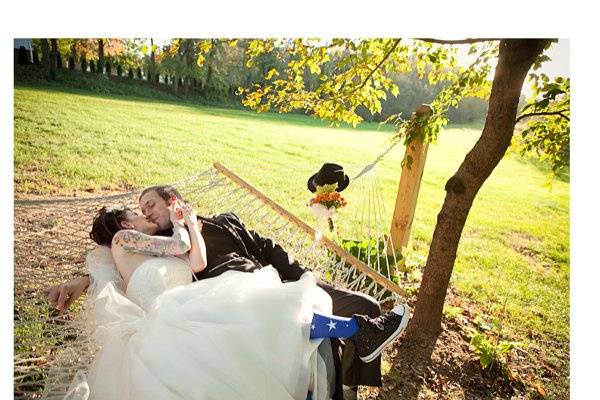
513 258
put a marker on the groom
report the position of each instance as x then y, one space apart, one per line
230 246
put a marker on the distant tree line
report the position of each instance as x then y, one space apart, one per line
215 68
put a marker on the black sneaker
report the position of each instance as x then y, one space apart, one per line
376 333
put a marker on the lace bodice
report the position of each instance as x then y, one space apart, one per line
156 276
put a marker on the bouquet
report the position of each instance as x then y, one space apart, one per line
326 202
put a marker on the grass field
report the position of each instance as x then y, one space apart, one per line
513 259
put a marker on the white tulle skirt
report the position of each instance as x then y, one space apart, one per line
237 336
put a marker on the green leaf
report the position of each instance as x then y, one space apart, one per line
477 339
505 347
486 360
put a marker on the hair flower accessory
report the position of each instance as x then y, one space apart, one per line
112 209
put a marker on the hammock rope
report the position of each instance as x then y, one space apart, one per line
51 241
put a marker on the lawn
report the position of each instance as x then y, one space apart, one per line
513 259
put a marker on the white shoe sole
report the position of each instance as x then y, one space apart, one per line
399 330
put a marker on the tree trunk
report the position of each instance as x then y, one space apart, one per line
152 70
100 66
53 58
83 62
73 58
45 54
209 76
514 61
152 54
207 82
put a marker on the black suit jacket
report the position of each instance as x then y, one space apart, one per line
230 246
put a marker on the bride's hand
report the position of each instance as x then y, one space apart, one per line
175 213
189 215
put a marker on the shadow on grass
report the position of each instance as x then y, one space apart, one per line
125 89
543 166
103 88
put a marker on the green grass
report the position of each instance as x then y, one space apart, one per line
513 259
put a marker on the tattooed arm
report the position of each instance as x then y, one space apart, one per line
138 242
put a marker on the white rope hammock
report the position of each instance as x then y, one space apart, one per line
51 241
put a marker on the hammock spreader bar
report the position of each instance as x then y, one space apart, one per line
361 266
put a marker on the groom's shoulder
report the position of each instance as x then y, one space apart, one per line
229 217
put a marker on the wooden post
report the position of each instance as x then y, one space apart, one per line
408 188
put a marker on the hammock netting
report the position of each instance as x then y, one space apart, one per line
51 239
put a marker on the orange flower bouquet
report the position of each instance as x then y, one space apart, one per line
326 202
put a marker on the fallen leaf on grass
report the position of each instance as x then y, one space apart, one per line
540 389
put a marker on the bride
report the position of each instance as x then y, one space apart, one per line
237 336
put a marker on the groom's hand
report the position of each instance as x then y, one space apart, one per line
63 295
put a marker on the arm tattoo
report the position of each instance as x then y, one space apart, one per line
138 242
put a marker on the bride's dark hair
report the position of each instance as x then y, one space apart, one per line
107 223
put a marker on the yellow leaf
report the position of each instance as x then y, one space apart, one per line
205 46
271 73
540 389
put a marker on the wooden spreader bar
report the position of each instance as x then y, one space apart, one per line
331 245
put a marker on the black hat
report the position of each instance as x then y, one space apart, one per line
328 175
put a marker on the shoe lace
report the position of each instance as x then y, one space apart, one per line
382 319
379 322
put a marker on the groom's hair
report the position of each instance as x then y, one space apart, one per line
164 191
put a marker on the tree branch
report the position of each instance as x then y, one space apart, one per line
387 55
560 112
458 41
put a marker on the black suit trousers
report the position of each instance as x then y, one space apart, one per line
351 370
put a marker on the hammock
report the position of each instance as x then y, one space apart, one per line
51 241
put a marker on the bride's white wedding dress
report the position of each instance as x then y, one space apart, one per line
236 336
